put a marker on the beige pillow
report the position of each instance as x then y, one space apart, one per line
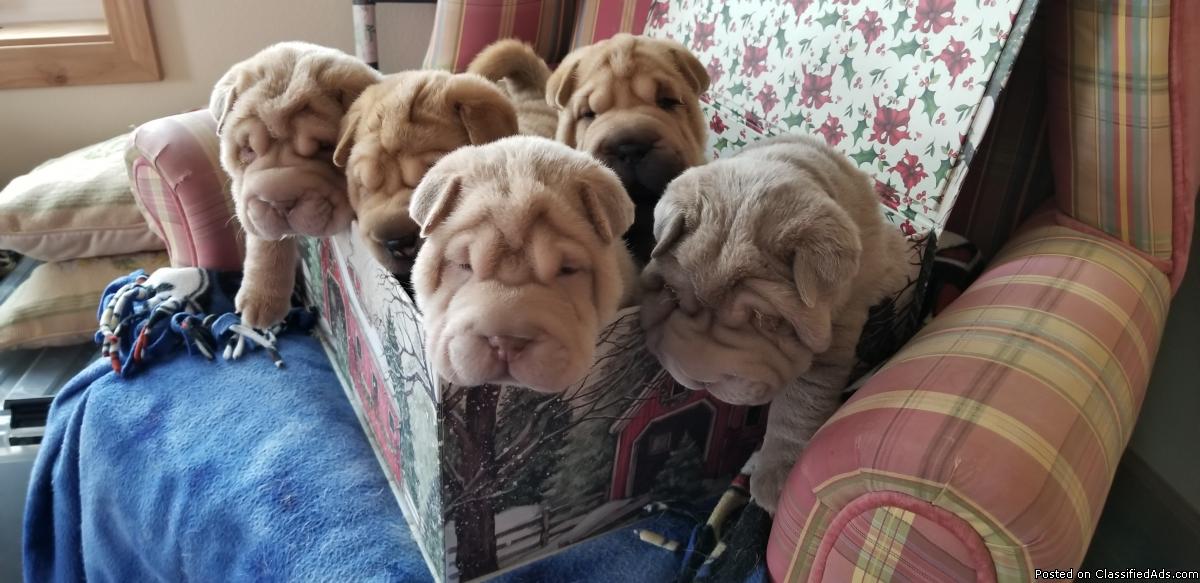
56 306
79 205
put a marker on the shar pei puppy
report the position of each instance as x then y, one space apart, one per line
523 264
766 266
634 103
522 75
394 133
278 115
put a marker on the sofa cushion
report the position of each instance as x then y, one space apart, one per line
462 28
1123 99
78 205
56 304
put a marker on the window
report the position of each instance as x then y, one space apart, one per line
112 45
660 444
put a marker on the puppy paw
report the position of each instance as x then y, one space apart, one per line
766 485
262 310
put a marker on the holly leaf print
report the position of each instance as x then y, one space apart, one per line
930 105
943 170
721 144
738 89
793 89
900 20
906 48
909 212
865 156
901 86
848 68
858 131
993 52
727 14
824 56
794 120
781 38
829 18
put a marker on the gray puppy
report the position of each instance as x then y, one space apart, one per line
758 288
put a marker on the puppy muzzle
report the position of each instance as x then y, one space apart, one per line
294 200
519 339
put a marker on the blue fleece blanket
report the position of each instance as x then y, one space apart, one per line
238 471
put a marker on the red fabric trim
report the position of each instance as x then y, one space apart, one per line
1184 79
980 558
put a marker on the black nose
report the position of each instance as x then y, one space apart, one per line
631 152
402 248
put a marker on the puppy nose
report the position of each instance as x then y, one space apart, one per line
632 152
282 207
507 347
403 248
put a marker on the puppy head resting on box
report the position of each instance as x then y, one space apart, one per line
277 115
756 255
634 103
395 132
523 262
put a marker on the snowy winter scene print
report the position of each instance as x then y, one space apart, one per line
527 473
490 477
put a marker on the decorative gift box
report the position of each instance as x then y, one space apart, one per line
490 477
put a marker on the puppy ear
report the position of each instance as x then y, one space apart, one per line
220 103
345 143
561 84
607 205
484 111
670 224
436 196
691 69
826 256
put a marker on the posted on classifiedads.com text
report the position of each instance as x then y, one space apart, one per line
1117 574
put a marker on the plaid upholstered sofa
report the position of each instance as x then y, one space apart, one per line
985 448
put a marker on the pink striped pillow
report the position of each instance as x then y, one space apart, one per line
183 192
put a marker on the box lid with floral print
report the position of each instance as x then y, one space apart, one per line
903 87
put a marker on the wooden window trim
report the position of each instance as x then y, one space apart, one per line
82 52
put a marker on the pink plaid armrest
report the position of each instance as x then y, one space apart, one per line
183 192
984 449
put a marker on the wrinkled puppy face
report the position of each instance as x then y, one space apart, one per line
633 102
752 259
520 267
277 116
395 132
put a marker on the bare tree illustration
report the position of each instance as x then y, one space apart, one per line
483 465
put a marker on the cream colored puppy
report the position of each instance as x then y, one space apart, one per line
766 266
523 262
277 118
391 136
522 75
634 103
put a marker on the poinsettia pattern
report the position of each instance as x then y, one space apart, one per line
893 84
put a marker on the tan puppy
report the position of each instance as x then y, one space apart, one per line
277 117
766 266
394 133
523 263
634 103
522 75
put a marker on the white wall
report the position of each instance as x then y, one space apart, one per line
197 41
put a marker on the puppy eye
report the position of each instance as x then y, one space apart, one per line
671 293
568 270
669 103
246 154
587 114
465 267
